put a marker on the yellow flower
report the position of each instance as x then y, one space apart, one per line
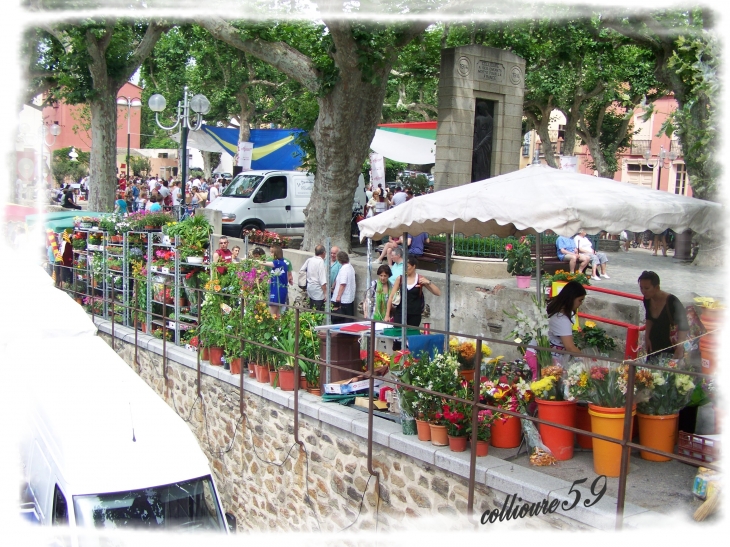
590 324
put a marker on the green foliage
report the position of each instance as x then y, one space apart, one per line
64 168
591 336
139 165
517 255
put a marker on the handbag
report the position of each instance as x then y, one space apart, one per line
302 276
396 298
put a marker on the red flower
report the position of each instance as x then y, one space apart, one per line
508 247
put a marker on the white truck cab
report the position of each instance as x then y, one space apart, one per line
268 200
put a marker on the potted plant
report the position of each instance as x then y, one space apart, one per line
556 404
560 278
661 394
458 419
194 232
286 341
402 368
465 351
519 261
78 241
531 329
591 337
485 418
505 386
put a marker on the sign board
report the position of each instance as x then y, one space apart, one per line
569 163
245 153
377 170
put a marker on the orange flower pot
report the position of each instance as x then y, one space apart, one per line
216 354
583 421
457 444
482 448
251 369
424 430
709 351
236 365
506 433
274 378
204 352
467 375
262 374
439 436
658 432
559 441
608 422
286 380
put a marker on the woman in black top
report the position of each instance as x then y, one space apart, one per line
664 315
413 297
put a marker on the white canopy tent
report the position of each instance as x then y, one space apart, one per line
539 198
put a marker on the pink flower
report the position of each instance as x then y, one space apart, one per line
508 247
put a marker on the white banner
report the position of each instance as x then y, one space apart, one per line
245 152
569 163
377 170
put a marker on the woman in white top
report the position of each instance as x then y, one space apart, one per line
561 310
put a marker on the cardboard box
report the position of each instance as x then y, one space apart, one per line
378 405
343 388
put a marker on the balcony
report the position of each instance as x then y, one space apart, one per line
639 146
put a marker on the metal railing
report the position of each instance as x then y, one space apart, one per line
476 405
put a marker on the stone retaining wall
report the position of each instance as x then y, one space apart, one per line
261 472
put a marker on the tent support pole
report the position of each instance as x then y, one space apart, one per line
538 253
447 315
404 293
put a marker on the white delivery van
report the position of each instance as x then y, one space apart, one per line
102 452
269 200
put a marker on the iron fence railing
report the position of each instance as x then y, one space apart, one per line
494 247
626 443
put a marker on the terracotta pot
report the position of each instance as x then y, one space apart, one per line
143 326
709 351
468 375
215 356
79 301
482 448
302 382
286 380
424 430
251 369
607 455
439 435
262 374
457 444
273 378
559 441
583 421
658 432
314 391
236 365
204 352
506 433
523 281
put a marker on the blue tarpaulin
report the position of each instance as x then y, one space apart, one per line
273 148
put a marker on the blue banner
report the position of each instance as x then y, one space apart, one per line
272 148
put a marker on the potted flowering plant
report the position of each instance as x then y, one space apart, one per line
661 394
505 387
531 328
457 417
465 351
484 432
519 260
560 278
78 241
266 237
591 336
555 403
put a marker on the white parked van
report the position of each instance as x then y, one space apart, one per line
269 200
102 451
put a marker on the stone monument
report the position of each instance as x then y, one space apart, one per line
479 115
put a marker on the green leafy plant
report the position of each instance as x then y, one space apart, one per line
517 255
663 392
591 336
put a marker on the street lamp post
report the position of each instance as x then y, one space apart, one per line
198 104
663 156
129 102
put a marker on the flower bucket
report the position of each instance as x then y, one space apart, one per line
286 380
215 356
709 350
557 286
523 281
236 365
482 448
658 432
608 422
457 444
262 374
583 421
424 430
507 433
559 441
408 425
467 375
439 435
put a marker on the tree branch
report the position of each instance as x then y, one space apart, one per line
143 49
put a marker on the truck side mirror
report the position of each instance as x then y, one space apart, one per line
231 521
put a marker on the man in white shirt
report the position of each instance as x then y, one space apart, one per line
317 278
214 191
343 295
598 259
176 193
399 197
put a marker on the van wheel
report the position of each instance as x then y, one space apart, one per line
249 227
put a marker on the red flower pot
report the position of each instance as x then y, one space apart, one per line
506 433
251 369
204 352
216 354
583 421
262 374
482 448
236 366
286 380
274 378
457 444
559 441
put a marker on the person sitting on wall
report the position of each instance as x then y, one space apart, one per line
598 258
567 252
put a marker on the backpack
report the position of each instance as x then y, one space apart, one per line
167 201
302 277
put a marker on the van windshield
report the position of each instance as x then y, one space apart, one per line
242 186
189 505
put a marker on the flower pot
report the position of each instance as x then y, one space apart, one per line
262 374
608 422
709 350
506 433
712 318
303 382
215 356
252 369
482 448
424 430
559 441
523 281
286 380
150 228
204 352
314 391
236 365
408 425
457 444
658 432
439 435
557 286
274 378
468 375
583 421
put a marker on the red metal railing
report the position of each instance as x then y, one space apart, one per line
632 331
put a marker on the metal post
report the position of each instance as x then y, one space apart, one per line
625 449
328 317
538 252
404 292
474 428
447 289
128 141
184 163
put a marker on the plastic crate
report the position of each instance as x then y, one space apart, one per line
703 449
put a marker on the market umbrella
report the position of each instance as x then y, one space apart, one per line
539 198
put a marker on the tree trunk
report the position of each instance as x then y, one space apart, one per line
348 117
103 163
547 147
594 147
211 160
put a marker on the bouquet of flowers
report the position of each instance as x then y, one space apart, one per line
465 351
529 327
380 359
663 392
554 385
562 275
505 395
519 261
578 378
607 385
